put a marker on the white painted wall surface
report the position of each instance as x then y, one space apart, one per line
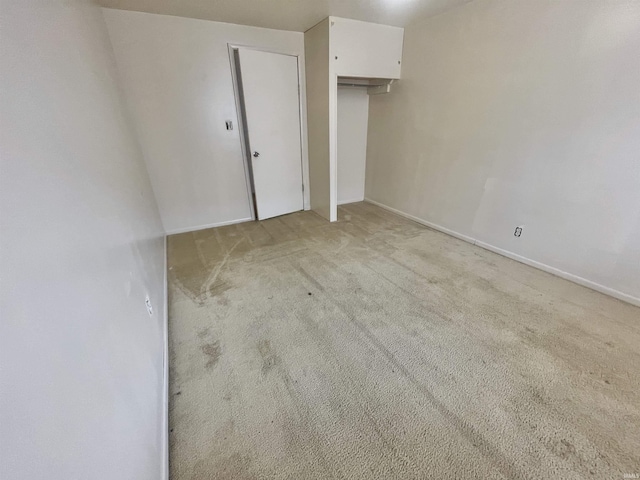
353 117
316 42
521 113
176 76
365 49
81 376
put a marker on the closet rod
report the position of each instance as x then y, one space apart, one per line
341 84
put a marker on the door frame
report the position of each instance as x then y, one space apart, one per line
302 109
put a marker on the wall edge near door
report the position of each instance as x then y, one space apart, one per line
210 225
165 366
625 297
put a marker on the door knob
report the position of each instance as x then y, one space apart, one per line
256 154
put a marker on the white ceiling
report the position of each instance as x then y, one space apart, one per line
298 15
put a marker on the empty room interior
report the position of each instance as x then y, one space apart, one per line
355 239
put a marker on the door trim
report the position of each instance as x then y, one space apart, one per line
302 111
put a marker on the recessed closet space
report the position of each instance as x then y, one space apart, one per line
353 120
346 61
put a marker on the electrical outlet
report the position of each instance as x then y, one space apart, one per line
147 302
518 231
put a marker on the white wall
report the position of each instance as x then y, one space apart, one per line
353 117
176 76
81 245
521 113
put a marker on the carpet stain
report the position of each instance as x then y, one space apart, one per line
269 357
212 353
218 289
204 333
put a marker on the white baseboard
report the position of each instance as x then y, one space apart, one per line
625 297
423 222
165 366
353 200
210 225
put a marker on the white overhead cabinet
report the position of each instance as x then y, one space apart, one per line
339 50
362 49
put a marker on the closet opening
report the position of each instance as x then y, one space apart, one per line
353 119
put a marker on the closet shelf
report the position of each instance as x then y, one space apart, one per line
374 86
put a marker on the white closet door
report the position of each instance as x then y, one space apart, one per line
270 88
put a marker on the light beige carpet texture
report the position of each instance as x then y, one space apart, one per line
376 348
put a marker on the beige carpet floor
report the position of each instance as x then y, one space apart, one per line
376 348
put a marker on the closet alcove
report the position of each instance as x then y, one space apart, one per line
355 57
